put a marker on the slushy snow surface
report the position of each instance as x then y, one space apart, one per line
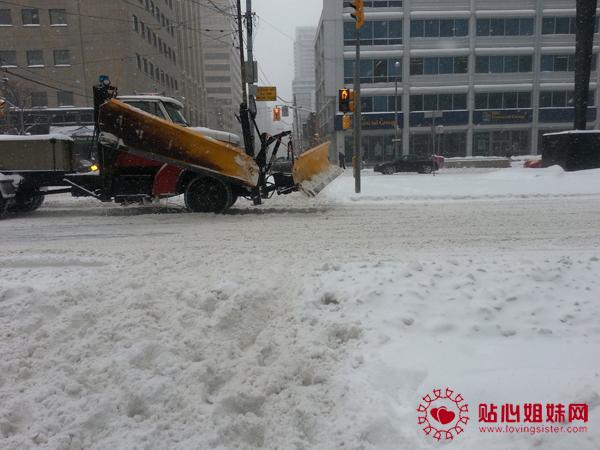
304 323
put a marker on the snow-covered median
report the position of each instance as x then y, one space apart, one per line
466 184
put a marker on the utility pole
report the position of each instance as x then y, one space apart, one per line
244 112
251 77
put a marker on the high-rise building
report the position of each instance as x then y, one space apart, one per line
222 69
304 76
56 49
475 77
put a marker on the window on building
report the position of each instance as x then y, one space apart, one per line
505 27
39 99
503 64
563 63
58 17
5 17
438 102
439 28
378 4
8 58
502 100
30 16
376 32
439 65
374 70
501 143
562 25
562 99
62 57
139 61
65 98
136 24
35 58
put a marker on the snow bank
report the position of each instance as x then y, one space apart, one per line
500 329
466 185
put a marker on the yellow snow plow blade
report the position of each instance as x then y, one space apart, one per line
312 171
158 139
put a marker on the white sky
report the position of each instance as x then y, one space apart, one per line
274 42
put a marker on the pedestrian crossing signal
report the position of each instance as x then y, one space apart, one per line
347 122
345 98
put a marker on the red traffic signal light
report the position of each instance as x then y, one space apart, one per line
359 13
277 114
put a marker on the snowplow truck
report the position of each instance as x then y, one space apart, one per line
146 151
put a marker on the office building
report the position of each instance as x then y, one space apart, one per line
475 77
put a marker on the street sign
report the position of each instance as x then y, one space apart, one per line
266 94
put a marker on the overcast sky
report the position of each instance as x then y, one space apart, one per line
274 42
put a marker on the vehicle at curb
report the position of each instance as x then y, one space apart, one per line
411 163
533 164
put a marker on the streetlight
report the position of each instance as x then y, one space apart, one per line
396 131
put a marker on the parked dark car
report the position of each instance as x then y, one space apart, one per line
411 163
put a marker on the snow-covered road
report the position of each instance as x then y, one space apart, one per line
302 323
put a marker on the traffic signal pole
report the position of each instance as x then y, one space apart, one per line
359 17
357 117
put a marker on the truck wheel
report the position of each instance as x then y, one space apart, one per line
234 198
3 206
27 202
207 195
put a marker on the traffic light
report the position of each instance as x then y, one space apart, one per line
359 13
344 100
285 111
351 104
277 114
347 122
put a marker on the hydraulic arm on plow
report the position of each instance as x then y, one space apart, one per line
211 174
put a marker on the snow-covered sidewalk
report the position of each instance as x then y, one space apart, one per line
466 184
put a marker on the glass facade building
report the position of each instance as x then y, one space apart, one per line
472 77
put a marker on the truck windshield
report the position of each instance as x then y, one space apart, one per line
175 114
149 107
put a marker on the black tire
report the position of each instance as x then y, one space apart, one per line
388 170
234 198
208 195
27 202
427 169
3 206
